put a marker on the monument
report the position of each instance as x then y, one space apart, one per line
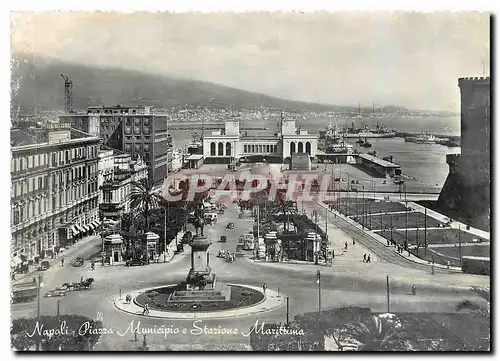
200 284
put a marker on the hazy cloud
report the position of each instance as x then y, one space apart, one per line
407 59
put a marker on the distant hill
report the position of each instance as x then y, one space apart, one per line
38 81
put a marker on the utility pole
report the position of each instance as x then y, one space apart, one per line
388 297
39 286
316 236
168 206
425 232
102 239
318 280
258 232
363 224
459 245
391 230
417 238
406 213
287 311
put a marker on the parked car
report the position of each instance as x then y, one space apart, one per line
230 225
223 239
78 262
44 265
135 262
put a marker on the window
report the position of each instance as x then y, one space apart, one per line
39 207
54 159
40 182
33 208
30 161
67 156
53 202
17 216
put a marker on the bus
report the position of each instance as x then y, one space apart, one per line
476 265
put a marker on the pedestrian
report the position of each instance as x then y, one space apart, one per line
345 245
92 265
353 241
364 257
81 279
145 309
448 264
264 287
62 262
13 277
387 242
368 260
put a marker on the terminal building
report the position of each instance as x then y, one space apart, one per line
228 144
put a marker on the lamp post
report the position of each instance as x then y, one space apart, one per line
102 239
39 282
318 281
315 214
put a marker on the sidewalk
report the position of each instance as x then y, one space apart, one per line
66 253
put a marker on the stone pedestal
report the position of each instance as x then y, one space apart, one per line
200 275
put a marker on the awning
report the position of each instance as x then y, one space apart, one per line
80 228
95 224
86 227
74 229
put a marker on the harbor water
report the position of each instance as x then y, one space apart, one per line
424 162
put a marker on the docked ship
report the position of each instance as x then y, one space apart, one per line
380 131
421 139
177 160
196 145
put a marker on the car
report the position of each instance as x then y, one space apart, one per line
223 239
135 262
230 226
78 262
58 292
44 265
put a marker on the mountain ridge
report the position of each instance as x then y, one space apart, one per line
36 82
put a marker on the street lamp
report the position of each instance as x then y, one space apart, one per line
318 281
39 285
315 214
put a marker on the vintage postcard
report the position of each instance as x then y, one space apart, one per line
254 181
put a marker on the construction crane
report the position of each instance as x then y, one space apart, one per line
68 94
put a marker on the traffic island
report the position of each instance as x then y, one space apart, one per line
242 306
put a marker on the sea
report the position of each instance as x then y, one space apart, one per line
423 162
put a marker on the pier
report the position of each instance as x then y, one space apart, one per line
369 162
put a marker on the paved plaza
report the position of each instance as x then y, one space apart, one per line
349 281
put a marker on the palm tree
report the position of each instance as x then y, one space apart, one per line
474 307
382 333
143 198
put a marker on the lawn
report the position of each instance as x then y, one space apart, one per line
352 207
434 236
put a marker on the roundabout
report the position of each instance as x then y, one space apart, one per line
234 308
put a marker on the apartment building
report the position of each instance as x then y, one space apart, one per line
116 191
134 130
54 189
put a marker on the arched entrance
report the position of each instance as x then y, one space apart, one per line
228 149
292 148
212 149
221 149
301 147
308 148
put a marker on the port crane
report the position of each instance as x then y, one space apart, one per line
68 94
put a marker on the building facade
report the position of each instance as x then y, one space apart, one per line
54 189
106 167
467 188
134 130
116 191
227 144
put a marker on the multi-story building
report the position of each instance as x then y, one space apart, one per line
134 130
116 191
106 168
466 191
54 192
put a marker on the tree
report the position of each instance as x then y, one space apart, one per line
381 333
70 340
143 198
474 307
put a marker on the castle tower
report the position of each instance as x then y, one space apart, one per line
467 188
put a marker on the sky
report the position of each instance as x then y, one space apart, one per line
404 59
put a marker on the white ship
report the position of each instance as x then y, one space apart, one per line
177 160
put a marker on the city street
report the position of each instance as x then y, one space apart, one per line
349 282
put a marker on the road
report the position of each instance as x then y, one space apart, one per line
348 282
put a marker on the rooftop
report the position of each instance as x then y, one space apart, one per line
379 161
31 136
